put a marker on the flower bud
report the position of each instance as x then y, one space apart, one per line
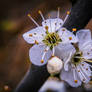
54 65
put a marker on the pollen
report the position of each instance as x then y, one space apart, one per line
42 61
74 29
46 27
68 12
75 81
30 35
36 42
70 38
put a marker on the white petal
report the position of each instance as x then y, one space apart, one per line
68 76
34 34
83 74
53 85
64 52
53 24
36 53
87 69
67 36
87 50
83 35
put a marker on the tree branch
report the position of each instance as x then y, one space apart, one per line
36 76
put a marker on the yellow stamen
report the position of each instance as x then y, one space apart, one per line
86 68
78 70
75 81
36 42
39 12
63 29
74 29
42 61
68 12
30 35
70 38
46 27
88 60
28 15
82 64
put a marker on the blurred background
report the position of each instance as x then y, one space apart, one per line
14 58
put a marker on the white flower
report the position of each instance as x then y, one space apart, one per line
47 38
54 65
76 69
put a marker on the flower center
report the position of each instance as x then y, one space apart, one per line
76 59
51 39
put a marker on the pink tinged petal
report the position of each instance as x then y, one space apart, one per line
53 24
34 35
83 36
36 53
68 76
67 36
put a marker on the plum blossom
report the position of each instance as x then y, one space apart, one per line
46 39
76 67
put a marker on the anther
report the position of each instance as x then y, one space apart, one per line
28 15
78 70
46 27
75 81
32 19
63 29
41 14
82 64
68 12
42 61
74 29
86 68
36 42
70 38
30 35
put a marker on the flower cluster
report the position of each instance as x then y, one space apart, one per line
64 52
